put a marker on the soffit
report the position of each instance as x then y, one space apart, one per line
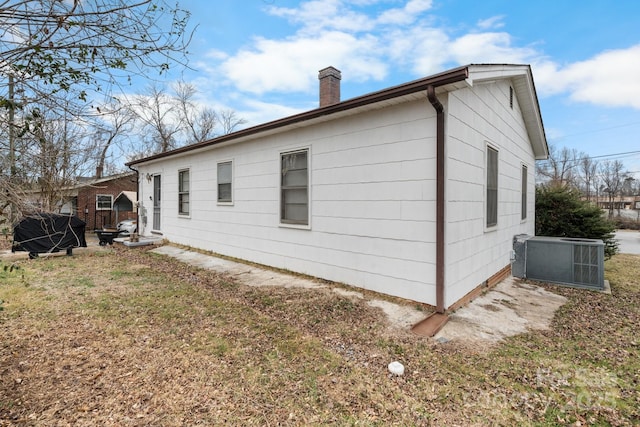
524 88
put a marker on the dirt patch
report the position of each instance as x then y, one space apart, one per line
5 244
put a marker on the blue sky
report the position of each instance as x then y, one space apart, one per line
261 57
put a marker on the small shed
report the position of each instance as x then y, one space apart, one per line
126 201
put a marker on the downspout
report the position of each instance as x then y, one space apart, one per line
435 321
440 198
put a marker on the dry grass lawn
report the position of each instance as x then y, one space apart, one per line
123 337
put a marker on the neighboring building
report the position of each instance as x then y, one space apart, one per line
618 202
95 200
414 191
98 201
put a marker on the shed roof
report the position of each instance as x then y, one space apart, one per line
126 198
132 196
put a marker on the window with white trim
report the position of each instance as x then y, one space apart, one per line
492 187
183 192
523 208
104 202
294 187
225 180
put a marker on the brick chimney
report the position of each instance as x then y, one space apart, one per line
329 86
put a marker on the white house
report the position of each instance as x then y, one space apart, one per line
414 191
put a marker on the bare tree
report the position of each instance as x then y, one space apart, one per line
114 123
53 151
51 46
172 120
230 121
559 168
588 172
160 119
57 54
613 176
199 123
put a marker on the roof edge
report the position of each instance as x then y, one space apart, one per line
526 94
441 79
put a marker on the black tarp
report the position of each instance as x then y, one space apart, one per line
48 232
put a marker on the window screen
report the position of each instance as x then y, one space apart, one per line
224 182
104 202
492 187
183 192
294 203
524 193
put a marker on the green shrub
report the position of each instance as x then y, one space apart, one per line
561 212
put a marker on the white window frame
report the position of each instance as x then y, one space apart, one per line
283 190
184 192
224 202
493 224
98 196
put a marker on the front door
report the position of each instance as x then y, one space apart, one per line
156 202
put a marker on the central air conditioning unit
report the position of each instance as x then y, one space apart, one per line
564 260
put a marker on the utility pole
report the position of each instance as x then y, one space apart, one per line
12 150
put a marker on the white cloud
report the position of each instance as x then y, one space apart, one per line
406 15
367 46
489 47
216 54
424 50
292 65
609 79
418 6
363 47
256 112
545 75
318 15
491 23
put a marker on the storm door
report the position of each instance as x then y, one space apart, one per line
156 202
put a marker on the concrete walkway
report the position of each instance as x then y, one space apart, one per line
244 273
629 241
512 307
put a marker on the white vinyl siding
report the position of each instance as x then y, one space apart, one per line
294 188
475 252
225 182
183 192
370 191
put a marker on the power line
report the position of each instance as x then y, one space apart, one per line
614 155
628 153
571 163
593 131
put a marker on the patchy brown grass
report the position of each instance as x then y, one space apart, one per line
126 337
5 242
